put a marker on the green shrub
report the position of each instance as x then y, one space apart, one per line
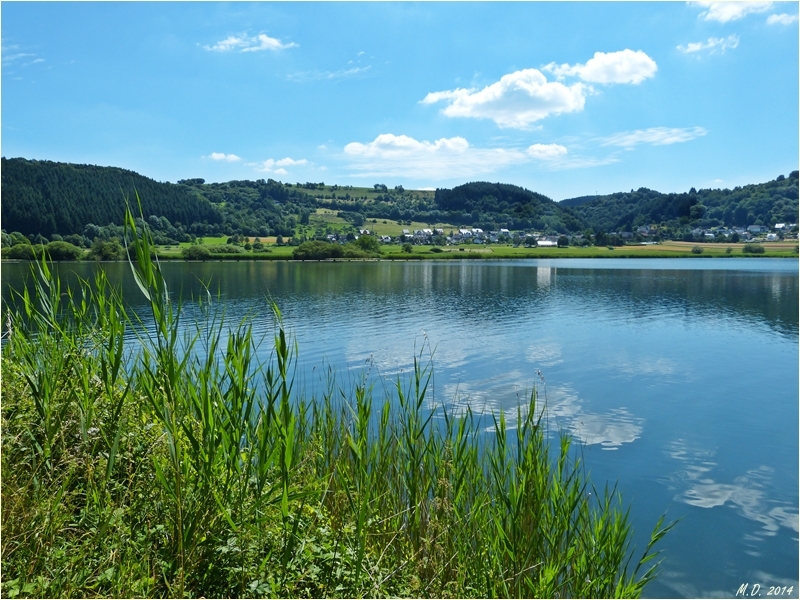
436 250
408 248
753 249
317 250
21 252
196 252
353 250
106 250
697 250
225 249
63 251
369 244
18 238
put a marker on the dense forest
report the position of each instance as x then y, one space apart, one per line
48 198
490 206
757 204
44 197
498 205
80 203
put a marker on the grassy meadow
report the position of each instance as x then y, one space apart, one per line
325 221
668 249
173 463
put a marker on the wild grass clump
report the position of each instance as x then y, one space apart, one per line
179 465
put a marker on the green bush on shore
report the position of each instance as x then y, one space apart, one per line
753 249
184 467
364 247
196 252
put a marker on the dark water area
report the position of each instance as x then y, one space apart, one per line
679 377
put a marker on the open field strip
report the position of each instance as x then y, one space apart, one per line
501 251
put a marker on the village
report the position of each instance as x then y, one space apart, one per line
641 235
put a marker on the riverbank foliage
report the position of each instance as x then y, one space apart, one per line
140 461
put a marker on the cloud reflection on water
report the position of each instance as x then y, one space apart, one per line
563 410
748 492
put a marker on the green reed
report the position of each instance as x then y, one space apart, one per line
182 466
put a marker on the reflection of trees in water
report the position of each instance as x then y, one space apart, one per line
771 298
487 291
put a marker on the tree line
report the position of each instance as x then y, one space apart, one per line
50 201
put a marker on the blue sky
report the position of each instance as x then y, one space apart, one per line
565 99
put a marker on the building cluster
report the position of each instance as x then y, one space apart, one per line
745 234
475 235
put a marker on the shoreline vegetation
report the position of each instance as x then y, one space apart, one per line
177 465
331 252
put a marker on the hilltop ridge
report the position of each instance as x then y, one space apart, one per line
51 198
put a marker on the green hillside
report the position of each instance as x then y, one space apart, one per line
49 199
499 205
757 204
45 197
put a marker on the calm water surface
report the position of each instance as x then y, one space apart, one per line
679 376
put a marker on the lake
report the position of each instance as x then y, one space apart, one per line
679 376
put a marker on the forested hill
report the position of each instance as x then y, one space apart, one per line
765 204
577 201
46 198
49 197
504 205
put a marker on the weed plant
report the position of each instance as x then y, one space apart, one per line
179 466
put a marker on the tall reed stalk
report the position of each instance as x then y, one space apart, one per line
143 455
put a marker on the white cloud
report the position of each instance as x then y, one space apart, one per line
625 66
657 136
518 100
276 166
713 45
290 162
264 42
392 155
223 157
546 151
445 158
782 19
244 43
730 11
323 75
13 57
388 145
